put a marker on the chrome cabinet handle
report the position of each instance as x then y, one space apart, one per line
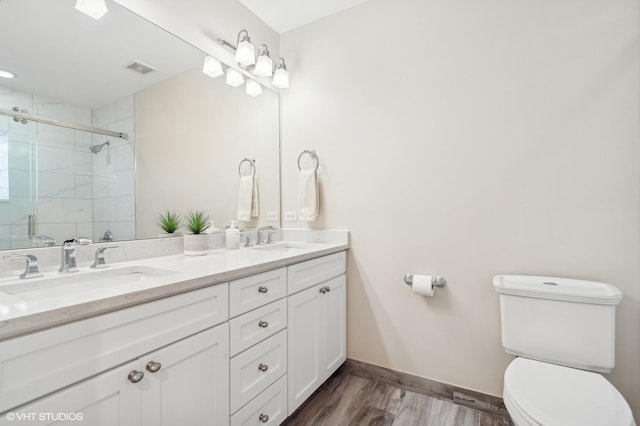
328 289
263 418
263 367
262 289
323 290
263 324
153 366
135 376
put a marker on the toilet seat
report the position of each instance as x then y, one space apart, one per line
538 393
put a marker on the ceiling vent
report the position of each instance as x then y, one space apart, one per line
139 67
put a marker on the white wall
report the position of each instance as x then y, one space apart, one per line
192 131
469 139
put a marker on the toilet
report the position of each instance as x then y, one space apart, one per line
562 332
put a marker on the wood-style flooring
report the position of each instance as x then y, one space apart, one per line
350 400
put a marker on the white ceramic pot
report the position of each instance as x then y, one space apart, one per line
196 244
172 235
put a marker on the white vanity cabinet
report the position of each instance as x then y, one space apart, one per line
247 352
317 325
258 344
187 382
183 383
85 366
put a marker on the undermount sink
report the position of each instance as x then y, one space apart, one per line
84 281
283 246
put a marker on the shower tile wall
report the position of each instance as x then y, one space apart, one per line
63 174
113 173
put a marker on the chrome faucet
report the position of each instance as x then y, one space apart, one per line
98 261
260 239
68 263
31 270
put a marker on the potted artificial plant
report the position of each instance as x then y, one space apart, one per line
196 242
169 222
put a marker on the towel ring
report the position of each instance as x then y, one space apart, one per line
312 154
251 161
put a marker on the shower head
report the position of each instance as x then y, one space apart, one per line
97 148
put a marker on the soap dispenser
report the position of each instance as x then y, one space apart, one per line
233 236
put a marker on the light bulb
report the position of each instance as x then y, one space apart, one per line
94 8
212 67
264 66
6 74
281 78
245 53
234 78
253 88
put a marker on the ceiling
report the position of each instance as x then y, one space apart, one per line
286 15
60 53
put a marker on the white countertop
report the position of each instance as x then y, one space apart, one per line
22 313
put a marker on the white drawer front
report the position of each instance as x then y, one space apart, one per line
307 274
255 326
268 408
38 363
255 369
252 292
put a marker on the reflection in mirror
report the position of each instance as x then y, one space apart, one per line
186 132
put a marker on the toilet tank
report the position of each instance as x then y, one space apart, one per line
559 320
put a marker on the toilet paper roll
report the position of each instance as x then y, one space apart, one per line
422 285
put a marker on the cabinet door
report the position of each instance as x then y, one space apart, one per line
304 327
334 322
108 399
191 383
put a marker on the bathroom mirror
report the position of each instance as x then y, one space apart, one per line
187 133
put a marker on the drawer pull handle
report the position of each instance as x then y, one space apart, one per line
263 324
263 418
328 289
323 290
153 366
263 367
262 289
135 376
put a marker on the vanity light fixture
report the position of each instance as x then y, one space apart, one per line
94 8
281 76
245 52
212 67
234 78
253 88
7 74
264 64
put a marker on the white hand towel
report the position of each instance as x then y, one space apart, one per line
255 207
248 198
308 196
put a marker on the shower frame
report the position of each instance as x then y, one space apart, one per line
18 115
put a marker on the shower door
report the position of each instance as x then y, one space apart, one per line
17 182
45 182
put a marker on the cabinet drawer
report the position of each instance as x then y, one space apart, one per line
257 325
255 369
252 292
268 408
307 274
41 362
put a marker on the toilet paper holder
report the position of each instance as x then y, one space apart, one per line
435 281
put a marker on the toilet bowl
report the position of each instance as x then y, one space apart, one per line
538 393
563 334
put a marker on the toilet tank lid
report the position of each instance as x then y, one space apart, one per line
566 289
